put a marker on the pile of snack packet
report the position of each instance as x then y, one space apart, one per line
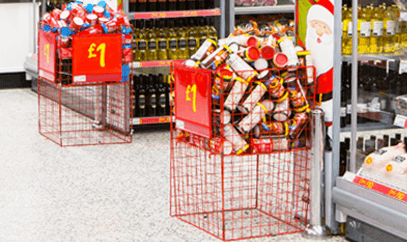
77 19
262 92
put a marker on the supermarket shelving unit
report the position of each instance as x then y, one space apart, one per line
233 11
358 196
163 66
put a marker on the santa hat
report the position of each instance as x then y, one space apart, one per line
323 11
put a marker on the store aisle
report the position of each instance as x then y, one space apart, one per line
93 193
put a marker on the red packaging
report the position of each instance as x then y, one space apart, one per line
274 128
81 14
268 145
298 101
76 24
64 42
47 18
98 10
56 13
92 19
53 23
66 53
126 39
61 24
67 16
97 29
127 54
112 26
126 21
103 20
297 124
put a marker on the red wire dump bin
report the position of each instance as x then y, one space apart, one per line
240 165
84 89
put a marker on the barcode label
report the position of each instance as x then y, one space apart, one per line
79 78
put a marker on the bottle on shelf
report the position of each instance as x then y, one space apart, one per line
376 38
141 98
182 5
162 40
152 5
152 96
141 42
396 11
141 5
200 4
172 39
389 35
172 5
203 31
167 85
348 92
132 5
347 32
363 30
191 4
161 5
212 32
193 37
182 45
343 96
161 96
152 50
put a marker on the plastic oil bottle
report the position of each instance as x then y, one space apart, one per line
396 11
389 35
212 32
162 41
376 38
403 34
193 40
172 39
182 50
152 42
363 30
203 31
142 42
347 32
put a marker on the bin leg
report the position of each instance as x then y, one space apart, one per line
315 229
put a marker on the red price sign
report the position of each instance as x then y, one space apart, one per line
192 100
97 58
385 190
46 55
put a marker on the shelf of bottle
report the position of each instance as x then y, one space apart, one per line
175 14
369 127
265 9
151 120
158 63
382 56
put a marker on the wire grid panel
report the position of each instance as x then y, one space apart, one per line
87 114
239 197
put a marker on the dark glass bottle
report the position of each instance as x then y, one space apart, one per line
162 5
348 93
132 5
152 5
152 96
200 4
142 5
343 96
342 158
141 100
182 5
167 86
161 95
136 87
386 140
361 88
172 5
191 4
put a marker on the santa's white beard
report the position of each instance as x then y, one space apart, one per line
322 53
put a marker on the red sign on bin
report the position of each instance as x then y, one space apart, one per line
192 100
97 58
46 55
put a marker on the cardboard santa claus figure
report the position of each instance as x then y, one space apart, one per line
319 40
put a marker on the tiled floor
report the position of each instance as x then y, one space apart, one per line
93 193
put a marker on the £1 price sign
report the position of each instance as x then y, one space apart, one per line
192 100
97 58
46 55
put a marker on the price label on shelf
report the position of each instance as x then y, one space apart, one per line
385 190
98 57
46 55
400 121
192 99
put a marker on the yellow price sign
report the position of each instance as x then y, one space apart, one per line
46 52
101 49
193 90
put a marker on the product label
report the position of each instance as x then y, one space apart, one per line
378 28
349 108
365 29
391 28
182 43
142 45
350 29
162 44
153 101
343 111
142 101
380 152
152 45
172 44
192 43
361 107
161 101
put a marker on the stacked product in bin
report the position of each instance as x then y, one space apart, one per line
262 92
78 19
